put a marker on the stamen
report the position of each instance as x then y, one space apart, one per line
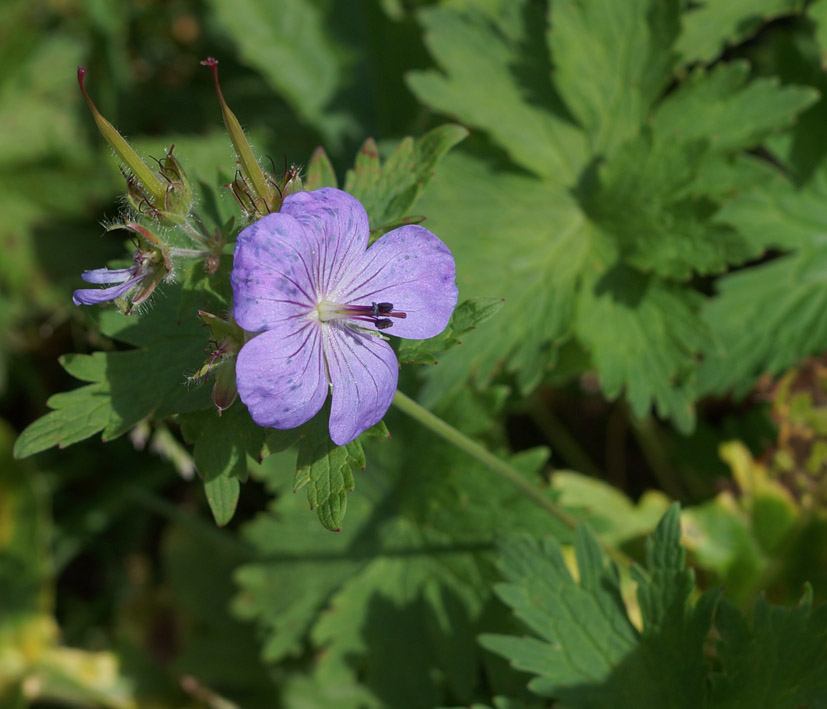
379 314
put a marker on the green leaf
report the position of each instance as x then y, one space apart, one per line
388 191
496 78
644 334
593 263
765 319
647 201
127 386
708 27
588 653
518 238
327 470
532 244
769 316
221 446
779 660
272 38
612 61
718 106
403 560
465 318
320 172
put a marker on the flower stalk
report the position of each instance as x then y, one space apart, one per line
496 465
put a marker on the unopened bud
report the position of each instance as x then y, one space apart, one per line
225 391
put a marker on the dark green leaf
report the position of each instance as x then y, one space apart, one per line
127 386
780 660
327 470
588 653
708 27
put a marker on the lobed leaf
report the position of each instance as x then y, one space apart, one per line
778 660
388 191
127 386
612 61
221 444
585 651
496 78
709 27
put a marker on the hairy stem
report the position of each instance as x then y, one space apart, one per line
495 465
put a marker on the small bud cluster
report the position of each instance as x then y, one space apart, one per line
161 210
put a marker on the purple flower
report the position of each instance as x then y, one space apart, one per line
142 277
305 279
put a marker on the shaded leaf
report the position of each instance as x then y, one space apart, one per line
588 653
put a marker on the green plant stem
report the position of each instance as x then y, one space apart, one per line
495 465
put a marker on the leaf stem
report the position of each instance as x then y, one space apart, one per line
495 465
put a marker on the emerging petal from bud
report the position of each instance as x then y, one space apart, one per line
127 286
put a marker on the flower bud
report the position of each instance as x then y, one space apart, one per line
226 340
179 198
224 391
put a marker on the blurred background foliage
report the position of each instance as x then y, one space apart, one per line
116 588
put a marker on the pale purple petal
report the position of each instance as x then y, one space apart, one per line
414 270
340 226
281 375
95 296
272 273
105 275
364 372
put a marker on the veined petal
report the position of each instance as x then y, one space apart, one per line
411 268
364 372
338 223
105 275
96 296
281 376
272 273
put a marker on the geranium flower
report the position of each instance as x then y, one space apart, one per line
322 301
137 282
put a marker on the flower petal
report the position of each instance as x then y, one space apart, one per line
105 275
281 375
411 268
340 226
364 372
95 296
272 273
